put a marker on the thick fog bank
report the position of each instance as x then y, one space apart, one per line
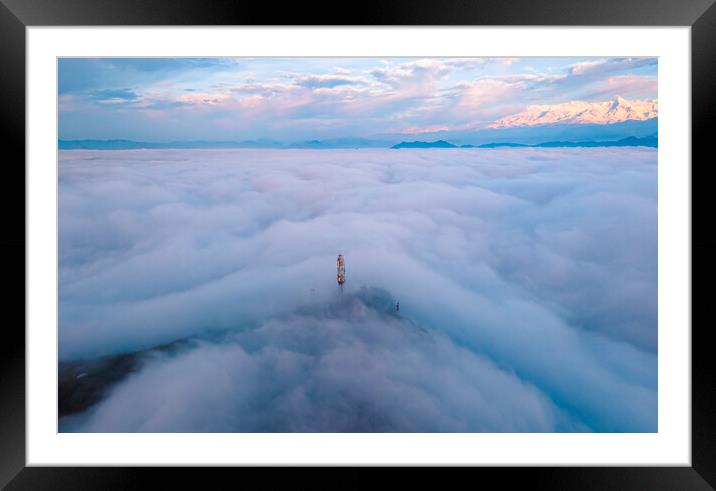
533 273
350 365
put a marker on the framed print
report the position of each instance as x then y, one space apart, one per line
453 235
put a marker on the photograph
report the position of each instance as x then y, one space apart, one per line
357 244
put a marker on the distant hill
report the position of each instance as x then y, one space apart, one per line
260 143
645 141
631 141
131 144
340 143
102 144
532 135
498 145
419 144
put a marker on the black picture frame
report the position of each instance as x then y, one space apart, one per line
16 15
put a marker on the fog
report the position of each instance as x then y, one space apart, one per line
527 282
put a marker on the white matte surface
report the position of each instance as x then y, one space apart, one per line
671 445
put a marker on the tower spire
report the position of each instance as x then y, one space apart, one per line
341 276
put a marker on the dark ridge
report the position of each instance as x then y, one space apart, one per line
419 144
498 145
630 141
195 144
83 383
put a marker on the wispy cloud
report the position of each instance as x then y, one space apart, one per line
416 130
274 98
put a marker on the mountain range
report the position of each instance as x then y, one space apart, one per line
537 134
89 144
645 141
582 112
631 141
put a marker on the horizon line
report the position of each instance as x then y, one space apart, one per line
314 144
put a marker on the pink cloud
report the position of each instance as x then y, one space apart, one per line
627 85
66 102
506 61
586 66
484 92
205 98
417 130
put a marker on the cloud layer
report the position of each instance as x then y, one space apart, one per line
532 273
293 99
352 369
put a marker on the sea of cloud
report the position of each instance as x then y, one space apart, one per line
532 274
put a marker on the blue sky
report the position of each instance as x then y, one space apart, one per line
292 99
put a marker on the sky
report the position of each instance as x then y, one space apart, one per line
296 99
527 282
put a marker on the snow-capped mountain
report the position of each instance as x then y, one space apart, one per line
582 112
